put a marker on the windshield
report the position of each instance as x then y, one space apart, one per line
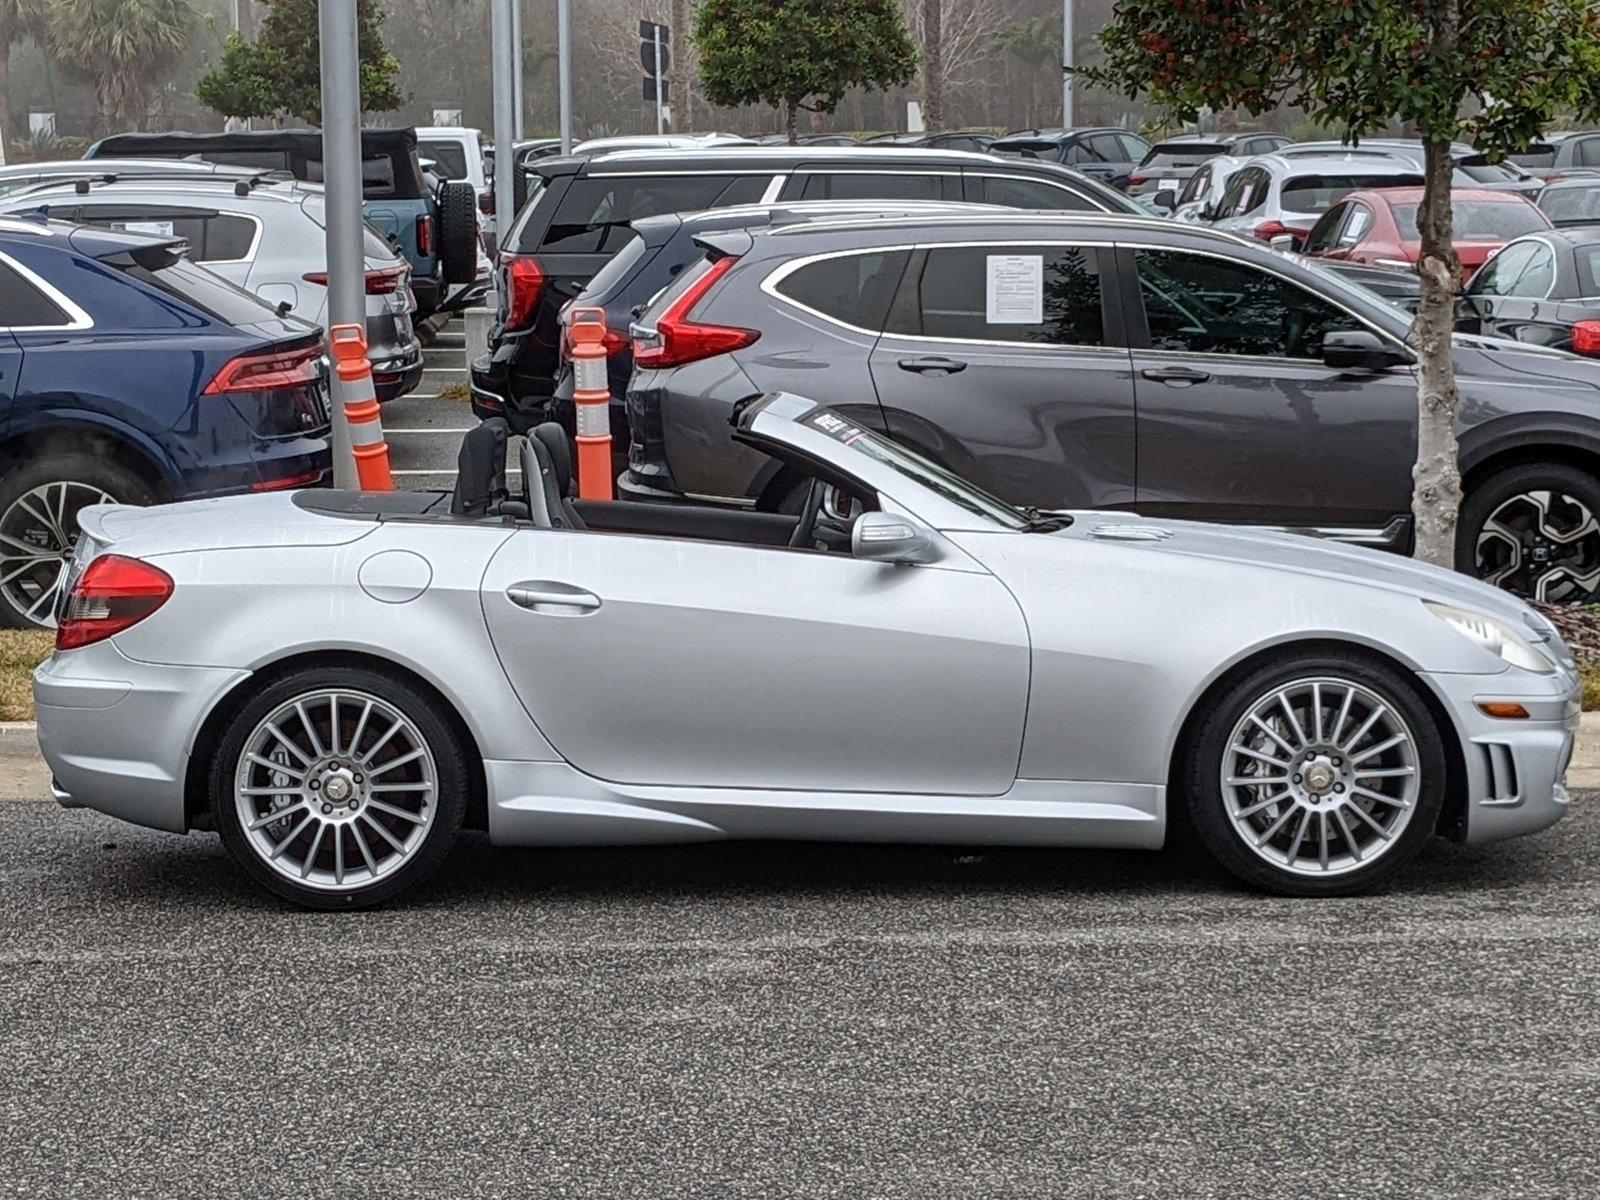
1318 193
918 469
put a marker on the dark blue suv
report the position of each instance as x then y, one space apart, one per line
128 373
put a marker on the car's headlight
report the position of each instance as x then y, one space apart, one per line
1493 635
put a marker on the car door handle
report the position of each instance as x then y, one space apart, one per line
932 362
1177 376
555 598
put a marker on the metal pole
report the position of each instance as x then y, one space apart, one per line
505 167
1067 25
516 68
659 115
341 175
564 55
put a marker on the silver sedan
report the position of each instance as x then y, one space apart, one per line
338 683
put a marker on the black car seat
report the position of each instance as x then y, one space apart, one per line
547 477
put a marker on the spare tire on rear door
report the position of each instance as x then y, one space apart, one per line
458 232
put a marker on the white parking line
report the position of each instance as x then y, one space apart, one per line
387 430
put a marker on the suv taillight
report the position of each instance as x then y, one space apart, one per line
270 372
425 236
524 286
380 282
1586 337
486 202
677 340
113 594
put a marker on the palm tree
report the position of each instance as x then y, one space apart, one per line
124 47
18 19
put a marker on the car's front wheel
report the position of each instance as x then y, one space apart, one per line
1534 529
1319 774
339 787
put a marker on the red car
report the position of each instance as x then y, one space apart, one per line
1380 227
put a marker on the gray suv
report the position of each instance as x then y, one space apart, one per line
1113 362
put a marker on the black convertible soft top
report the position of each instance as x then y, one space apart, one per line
389 156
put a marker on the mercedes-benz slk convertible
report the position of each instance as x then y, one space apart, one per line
339 682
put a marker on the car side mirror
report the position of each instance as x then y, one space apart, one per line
1284 241
1361 350
888 538
1166 198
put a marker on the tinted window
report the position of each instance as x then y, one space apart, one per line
200 289
1324 234
1181 154
617 271
853 288
22 305
1245 193
1475 220
1588 152
867 185
1029 193
1133 148
1314 193
377 175
1501 271
1537 155
1535 280
592 217
1213 306
449 158
1571 204
212 237
958 294
745 189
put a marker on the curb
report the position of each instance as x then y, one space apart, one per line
19 739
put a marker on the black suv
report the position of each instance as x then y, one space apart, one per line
578 212
1104 152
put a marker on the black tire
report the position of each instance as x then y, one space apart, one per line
1563 569
78 469
448 796
1206 801
458 232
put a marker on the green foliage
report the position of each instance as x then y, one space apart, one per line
800 53
1490 71
125 48
281 72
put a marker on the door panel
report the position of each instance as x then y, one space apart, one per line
1238 418
10 368
675 662
1038 413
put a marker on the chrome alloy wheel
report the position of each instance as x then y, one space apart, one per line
37 534
1320 776
1541 544
335 789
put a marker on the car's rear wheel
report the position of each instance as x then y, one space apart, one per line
39 505
339 787
1319 774
1534 530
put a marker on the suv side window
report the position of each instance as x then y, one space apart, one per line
1194 187
1499 275
592 217
1204 305
23 306
1535 280
1133 148
952 298
212 237
1324 234
875 185
1588 152
1245 193
1014 192
853 288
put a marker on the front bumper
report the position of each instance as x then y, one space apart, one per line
1515 769
118 734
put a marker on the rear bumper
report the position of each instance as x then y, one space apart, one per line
397 374
1515 769
117 734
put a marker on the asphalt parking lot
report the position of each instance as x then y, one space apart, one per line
755 1020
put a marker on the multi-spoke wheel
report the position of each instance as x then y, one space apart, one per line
1534 530
338 788
39 505
1317 775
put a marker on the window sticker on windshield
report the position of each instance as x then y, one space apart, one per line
836 427
1014 289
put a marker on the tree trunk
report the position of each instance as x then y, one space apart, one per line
791 115
678 83
933 64
1436 494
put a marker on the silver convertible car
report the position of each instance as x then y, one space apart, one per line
338 682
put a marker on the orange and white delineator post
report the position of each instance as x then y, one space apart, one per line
592 397
371 452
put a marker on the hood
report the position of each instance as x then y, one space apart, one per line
223 523
1305 555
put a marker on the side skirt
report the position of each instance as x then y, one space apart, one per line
553 804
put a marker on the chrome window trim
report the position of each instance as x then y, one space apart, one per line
77 318
1382 334
770 283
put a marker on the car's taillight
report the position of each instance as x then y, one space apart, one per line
676 339
425 236
1268 230
1586 337
524 286
1135 180
269 372
486 202
380 282
112 594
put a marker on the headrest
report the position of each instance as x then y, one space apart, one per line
554 439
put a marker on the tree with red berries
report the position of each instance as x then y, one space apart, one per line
1492 72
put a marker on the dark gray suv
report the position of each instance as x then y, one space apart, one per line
1114 362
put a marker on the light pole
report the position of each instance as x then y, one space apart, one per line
1067 62
516 68
564 68
502 22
